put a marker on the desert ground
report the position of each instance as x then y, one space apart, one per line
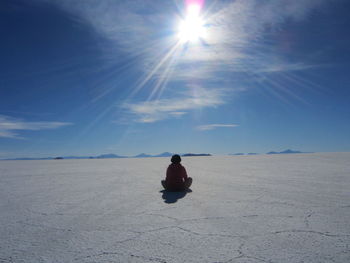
264 208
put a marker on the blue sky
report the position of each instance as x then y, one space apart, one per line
88 77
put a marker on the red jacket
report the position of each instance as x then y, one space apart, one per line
175 175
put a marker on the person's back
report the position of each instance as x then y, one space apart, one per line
176 176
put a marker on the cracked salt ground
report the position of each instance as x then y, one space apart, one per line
290 208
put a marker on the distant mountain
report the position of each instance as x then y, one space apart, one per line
243 154
145 155
142 155
164 154
29 159
102 156
288 151
76 157
291 151
195 154
109 155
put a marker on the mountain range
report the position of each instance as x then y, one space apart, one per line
288 151
285 152
109 156
144 155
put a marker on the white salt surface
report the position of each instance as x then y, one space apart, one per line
268 208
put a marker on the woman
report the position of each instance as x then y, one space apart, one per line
176 176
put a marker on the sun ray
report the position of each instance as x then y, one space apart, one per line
163 79
156 68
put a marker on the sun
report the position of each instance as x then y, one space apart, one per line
192 28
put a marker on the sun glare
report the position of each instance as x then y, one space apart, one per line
192 27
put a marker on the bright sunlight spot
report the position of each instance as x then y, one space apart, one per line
192 27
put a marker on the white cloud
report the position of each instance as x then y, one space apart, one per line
235 29
282 67
178 113
146 31
196 98
214 126
9 126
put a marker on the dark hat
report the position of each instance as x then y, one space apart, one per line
176 158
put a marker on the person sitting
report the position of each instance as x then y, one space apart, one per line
176 176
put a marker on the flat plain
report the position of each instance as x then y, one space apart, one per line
264 208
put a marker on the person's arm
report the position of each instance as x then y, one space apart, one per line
167 173
184 173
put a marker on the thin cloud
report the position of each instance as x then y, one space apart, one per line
234 30
285 67
215 126
145 30
160 109
9 126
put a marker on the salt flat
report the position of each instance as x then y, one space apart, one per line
265 208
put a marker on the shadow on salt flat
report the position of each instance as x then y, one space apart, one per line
172 197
